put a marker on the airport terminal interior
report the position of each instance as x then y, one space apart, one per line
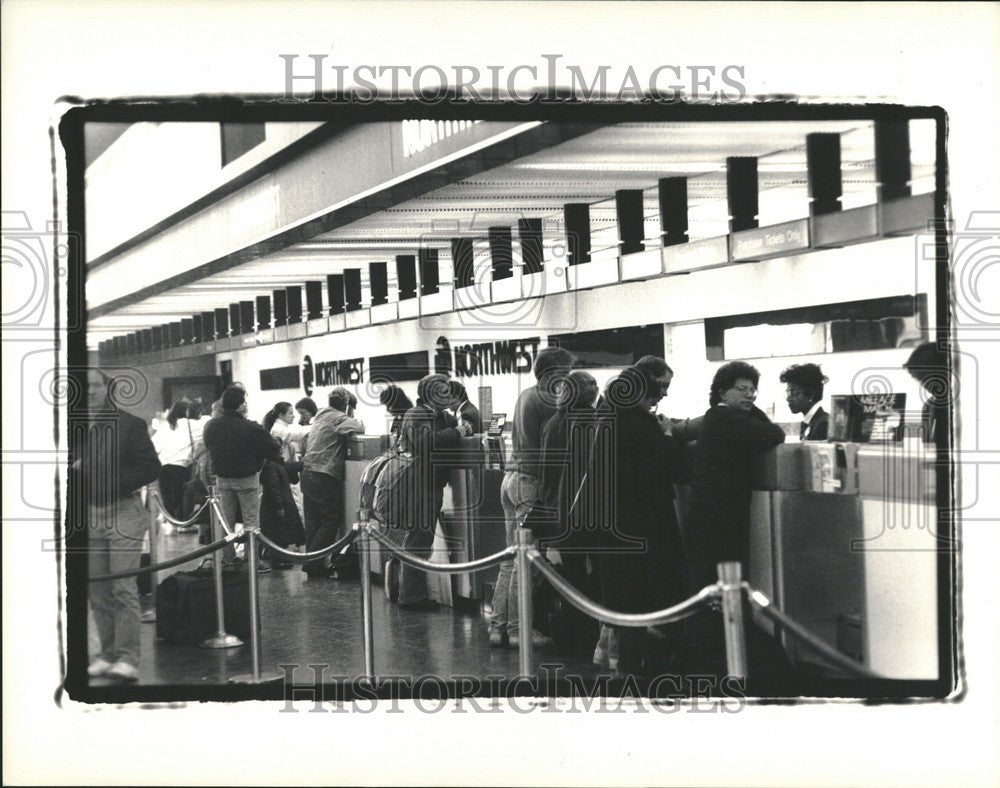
296 258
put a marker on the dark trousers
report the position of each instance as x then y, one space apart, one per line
323 505
172 479
419 540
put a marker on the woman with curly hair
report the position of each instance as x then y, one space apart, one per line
734 435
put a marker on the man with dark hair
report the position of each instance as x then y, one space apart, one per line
324 452
238 448
463 409
657 370
521 486
803 393
928 365
217 405
106 478
306 409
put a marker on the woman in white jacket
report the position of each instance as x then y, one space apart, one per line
280 422
174 442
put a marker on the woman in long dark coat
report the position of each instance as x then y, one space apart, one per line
279 516
567 441
642 563
734 436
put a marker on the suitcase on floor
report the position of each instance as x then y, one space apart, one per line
185 606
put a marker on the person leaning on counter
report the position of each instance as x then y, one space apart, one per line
734 435
803 393
463 409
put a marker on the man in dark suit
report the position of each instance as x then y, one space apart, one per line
803 393
463 409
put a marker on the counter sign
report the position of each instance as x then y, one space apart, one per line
502 357
331 373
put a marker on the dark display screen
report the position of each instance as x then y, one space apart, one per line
612 347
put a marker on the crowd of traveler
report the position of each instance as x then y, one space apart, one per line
592 473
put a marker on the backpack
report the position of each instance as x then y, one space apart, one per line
387 488
369 477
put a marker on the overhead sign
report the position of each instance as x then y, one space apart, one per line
331 373
772 241
501 357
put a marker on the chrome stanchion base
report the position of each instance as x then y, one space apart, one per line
267 677
221 640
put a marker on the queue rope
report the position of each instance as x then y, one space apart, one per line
446 569
178 523
301 558
209 548
767 608
605 615
218 513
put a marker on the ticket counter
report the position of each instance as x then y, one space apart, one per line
842 540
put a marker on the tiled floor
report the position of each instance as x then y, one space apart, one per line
318 622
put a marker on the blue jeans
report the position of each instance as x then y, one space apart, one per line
517 495
114 544
323 499
239 500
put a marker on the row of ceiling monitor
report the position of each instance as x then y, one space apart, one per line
344 291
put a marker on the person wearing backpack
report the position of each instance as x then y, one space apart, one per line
428 431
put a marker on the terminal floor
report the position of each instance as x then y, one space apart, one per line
308 623
318 622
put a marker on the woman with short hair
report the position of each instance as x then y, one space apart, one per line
734 435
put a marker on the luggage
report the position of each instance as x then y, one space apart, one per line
185 606
388 488
369 478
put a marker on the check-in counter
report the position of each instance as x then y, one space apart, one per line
361 450
472 523
842 540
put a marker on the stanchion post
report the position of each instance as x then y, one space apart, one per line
221 639
255 676
524 606
364 550
149 617
731 577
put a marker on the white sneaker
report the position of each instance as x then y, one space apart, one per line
98 667
123 671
